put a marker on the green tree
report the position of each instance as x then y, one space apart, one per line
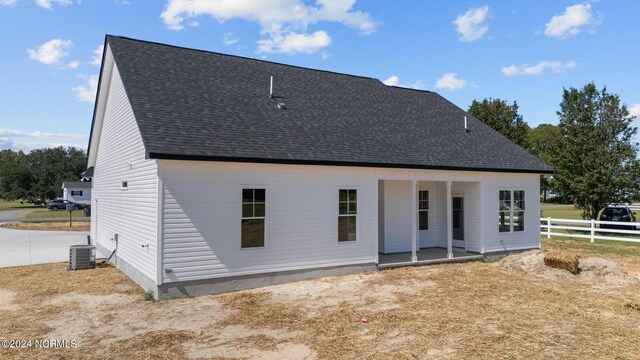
595 163
15 177
544 142
502 117
40 173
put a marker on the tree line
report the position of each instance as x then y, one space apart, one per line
591 150
39 174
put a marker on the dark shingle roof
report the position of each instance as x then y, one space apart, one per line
192 104
76 185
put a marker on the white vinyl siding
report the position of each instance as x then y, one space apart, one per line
512 240
130 214
202 228
82 196
397 216
202 231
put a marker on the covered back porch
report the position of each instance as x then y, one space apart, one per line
428 221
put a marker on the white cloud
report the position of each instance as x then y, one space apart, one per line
30 140
73 64
50 52
471 26
635 110
27 146
8 3
87 93
39 134
293 43
571 22
537 69
229 38
394 80
283 22
48 4
97 56
450 81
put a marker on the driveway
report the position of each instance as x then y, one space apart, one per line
13 215
26 247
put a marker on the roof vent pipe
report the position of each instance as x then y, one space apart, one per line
466 129
271 88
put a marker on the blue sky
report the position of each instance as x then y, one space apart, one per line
525 51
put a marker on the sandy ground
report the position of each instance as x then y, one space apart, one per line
514 309
48 226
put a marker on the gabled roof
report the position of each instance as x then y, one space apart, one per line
76 185
199 105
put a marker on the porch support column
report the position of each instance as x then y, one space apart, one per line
449 222
414 220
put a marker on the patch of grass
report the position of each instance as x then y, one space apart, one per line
46 214
15 205
261 342
560 212
625 253
461 311
49 226
257 311
491 259
149 296
34 285
430 317
599 247
163 344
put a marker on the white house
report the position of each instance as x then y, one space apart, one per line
213 173
77 191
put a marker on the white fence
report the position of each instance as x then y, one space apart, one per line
590 229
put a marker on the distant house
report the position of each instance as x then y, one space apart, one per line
77 191
214 173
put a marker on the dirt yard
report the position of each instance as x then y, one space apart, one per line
49 226
514 309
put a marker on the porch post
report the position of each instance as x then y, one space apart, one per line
449 222
414 220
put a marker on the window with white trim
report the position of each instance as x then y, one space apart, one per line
253 218
423 210
347 214
518 210
511 211
76 192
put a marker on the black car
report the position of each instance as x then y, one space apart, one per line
617 213
61 204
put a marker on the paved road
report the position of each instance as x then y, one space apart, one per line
13 215
26 247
